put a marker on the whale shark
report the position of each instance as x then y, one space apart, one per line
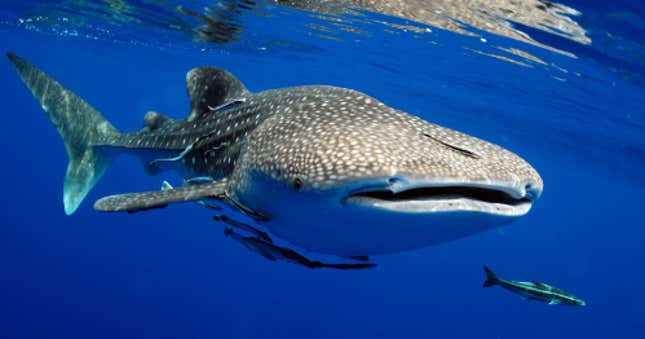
328 169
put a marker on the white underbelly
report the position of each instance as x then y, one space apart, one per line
320 224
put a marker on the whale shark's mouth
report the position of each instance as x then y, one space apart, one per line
434 199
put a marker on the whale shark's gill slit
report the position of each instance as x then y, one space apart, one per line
453 147
445 193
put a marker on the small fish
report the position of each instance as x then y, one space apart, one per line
533 290
275 253
243 226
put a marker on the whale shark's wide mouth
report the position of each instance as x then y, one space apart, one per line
433 199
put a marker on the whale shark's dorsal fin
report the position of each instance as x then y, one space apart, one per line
152 121
211 87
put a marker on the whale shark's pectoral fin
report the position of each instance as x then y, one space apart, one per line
134 202
165 185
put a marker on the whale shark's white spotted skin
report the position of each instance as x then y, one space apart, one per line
327 168
333 134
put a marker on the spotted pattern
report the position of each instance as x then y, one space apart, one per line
210 87
79 125
146 200
323 136
317 137
310 138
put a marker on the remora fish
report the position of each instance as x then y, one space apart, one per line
274 253
329 169
533 290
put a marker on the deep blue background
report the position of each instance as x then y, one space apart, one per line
172 274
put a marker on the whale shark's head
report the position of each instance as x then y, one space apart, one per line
343 173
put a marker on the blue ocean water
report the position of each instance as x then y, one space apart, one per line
573 109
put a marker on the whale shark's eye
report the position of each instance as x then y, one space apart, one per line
297 183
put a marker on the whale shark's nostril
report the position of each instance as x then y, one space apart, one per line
531 191
396 183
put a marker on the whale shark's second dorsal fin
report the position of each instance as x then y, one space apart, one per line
210 87
152 121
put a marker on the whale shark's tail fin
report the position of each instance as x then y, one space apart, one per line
80 126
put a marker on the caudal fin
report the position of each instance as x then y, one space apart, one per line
80 126
491 277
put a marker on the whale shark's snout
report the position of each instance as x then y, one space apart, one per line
451 172
427 196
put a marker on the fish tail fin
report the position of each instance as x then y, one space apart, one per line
491 277
80 126
227 231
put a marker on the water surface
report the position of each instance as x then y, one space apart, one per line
561 85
